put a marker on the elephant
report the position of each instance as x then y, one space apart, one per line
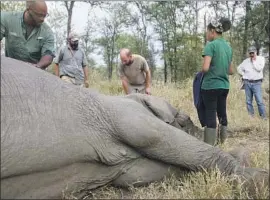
59 138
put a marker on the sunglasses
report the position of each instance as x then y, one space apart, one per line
39 15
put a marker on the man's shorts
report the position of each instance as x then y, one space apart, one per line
70 80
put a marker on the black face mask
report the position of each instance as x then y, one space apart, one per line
74 45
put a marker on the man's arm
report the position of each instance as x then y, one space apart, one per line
85 70
258 64
47 52
57 60
45 61
124 84
147 71
123 78
147 81
240 68
56 69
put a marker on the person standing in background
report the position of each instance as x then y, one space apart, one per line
251 70
217 65
71 63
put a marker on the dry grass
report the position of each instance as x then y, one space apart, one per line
252 133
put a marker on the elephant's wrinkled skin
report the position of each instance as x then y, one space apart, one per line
57 137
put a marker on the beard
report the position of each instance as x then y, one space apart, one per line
129 62
74 46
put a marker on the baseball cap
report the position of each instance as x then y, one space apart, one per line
73 37
252 50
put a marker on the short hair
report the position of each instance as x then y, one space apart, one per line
126 51
30 3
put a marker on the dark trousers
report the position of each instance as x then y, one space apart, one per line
215 103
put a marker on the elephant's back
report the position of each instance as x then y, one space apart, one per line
40 121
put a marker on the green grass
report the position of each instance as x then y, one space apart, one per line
252 134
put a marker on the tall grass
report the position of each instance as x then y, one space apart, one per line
251 133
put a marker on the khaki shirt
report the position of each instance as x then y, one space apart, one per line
39 43
135 73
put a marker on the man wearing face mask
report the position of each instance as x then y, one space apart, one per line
134 73
251 70
71 63
27 37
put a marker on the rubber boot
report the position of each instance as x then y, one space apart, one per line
223 134
210 136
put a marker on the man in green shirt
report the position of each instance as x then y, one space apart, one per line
27 37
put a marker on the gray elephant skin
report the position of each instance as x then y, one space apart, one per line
57 138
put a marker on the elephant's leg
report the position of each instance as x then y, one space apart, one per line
157 140
75 178
145 171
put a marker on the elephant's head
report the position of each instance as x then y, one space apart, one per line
167 113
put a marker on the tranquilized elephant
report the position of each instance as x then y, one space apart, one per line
58 137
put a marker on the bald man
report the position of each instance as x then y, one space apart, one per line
27 37
134 73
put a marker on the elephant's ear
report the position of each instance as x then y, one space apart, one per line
156 105
160 108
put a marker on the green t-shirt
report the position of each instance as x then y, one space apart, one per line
217 76
39 43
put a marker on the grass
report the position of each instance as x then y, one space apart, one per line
251 133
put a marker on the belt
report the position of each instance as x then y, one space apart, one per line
253 81
66 75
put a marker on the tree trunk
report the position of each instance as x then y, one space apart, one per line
205 39
165 63
69 8
197 23
248 8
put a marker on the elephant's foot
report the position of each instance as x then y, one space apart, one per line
145 171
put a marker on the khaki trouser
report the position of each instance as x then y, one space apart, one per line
70 80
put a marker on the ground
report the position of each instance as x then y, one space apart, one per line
251 133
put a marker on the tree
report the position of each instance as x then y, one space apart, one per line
69 6
58 20
12 5
88 40
110 29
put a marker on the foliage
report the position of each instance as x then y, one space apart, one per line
14 6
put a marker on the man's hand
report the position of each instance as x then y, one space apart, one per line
148 91
86 83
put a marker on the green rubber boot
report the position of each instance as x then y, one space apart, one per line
210 136
223 134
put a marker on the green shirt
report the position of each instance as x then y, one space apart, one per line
39 43
217 76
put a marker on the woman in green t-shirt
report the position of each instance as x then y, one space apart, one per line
215 85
